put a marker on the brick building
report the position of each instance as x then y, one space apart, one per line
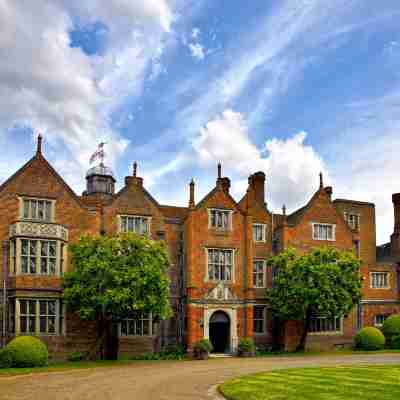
218 250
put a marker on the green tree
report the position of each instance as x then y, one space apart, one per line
325 282
113 277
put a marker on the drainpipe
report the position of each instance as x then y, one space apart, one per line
5 273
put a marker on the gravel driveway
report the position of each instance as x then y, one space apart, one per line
161 380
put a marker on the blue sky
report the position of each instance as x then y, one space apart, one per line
288 87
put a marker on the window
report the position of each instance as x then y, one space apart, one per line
259 319
259 232
139 225
219 219
379 280
323 232
38 317
259 273
27 313
353 220
38 256
35 209
326 325
62 260
137 325
274 275
11 316
220 264
13 257
380 319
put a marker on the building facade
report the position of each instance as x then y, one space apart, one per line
218 250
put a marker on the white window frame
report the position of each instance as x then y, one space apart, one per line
37 315
264 320
207 278
264 273
147 217
264 232
314 231
52 202
18 256
379 324
149 319
372 274
353 225
328 332
222 210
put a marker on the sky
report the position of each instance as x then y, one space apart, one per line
290 88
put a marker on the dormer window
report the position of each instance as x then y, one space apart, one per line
136 224
37 209
220 219
259 232
353 220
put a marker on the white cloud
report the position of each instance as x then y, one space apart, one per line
195 33
49 86
291 166
197 51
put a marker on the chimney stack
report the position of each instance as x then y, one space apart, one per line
192 203
39 144
395 238
134 178
257 186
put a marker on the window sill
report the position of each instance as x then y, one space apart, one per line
338 333
380 288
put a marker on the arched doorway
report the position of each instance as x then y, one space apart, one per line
219 327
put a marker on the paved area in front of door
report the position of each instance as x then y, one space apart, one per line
166 380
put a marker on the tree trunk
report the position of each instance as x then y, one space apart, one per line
302 344
108 341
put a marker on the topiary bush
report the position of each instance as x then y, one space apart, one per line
28 351
369 338
395 342
391 328
5 358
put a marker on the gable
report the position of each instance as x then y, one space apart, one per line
218 198
37 178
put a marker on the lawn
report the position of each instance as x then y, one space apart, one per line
338 383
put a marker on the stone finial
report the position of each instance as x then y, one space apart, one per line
321 180
135 169
39 144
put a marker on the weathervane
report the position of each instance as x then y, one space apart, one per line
99 154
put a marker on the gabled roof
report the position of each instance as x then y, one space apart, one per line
38 157
200 204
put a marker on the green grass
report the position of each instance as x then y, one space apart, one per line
63 366
338 383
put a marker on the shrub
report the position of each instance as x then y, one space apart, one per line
75 356
168 353
391 328
5 358
395 342
28 351
203 346
369 338
246 345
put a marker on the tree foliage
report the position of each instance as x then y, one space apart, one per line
325 282
112 277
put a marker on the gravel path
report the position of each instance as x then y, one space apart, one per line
161 380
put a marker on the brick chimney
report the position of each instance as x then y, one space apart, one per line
134 179
257 186
395 238
192 203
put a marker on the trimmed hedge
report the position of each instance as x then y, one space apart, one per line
28 351
5 358
391 327
369 338
395 342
